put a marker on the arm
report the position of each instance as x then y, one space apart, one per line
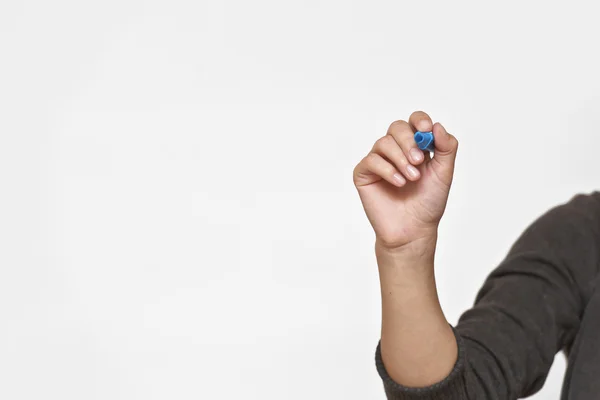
527 310
417 343
404 193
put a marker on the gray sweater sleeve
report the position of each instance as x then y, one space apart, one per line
527 310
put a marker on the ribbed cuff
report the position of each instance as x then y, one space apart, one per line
450 388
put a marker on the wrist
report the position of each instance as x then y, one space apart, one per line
420 248
412 263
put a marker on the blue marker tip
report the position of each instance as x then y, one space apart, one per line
424 140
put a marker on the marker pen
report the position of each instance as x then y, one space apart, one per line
424 140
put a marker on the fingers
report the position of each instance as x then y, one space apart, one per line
404 135
373 168
389 148
396 158
446 144
420 121
446 147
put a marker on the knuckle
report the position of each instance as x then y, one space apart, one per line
388 140
397 124
357 172
370 159
402 163
421 114
383 142
402 135
408 142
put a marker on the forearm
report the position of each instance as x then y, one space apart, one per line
418 346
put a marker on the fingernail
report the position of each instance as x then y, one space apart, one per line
400 179
416 154
412 171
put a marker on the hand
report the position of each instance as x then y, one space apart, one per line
404 190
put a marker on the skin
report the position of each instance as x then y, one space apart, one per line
418 346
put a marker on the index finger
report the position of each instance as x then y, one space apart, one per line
420 121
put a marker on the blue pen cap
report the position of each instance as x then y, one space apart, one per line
424 140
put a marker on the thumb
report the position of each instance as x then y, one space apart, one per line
444 155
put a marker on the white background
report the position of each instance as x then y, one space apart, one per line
177 213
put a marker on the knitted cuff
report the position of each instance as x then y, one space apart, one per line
450 388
